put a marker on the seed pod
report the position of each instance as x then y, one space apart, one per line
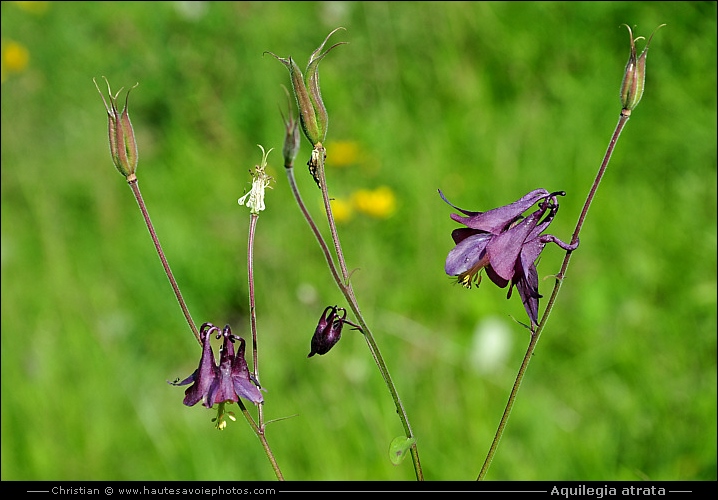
634 76
123 146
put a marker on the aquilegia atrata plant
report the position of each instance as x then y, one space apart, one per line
504 242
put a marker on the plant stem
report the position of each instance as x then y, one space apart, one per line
345 286
132 181
536 333
318 235
263 439
252 308
260 427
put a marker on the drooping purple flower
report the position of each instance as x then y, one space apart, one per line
227 382
329 330
506 244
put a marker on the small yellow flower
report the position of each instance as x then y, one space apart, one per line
379 203
33 7
14 58
342 210
343 153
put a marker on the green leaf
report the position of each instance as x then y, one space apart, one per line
399 447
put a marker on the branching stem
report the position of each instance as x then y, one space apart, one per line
344 284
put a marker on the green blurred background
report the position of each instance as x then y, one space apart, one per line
486 101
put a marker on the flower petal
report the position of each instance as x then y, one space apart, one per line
504 249
205 375
498 280
497 220
528 290
246 389
529 253
461 233
225 386
467 254
242 379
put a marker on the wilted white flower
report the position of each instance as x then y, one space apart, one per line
254 200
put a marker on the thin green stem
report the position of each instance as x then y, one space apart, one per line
536 333
262 439
307 216
347 290
132 181
259 428
252 307
509 406
321 156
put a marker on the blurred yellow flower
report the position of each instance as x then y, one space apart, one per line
33 7
342 210
14 58
342 153
379 203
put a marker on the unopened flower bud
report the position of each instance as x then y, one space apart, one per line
123 146
312 112
634 76
328 331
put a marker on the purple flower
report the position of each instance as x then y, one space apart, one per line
329 330
506 244
227 382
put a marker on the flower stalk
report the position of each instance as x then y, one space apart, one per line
632 88
165 265
313 118
260 427
124 153
348 291
254 200
210 383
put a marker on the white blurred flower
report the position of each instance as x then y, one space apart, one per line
490 346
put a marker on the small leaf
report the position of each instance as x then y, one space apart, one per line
399 447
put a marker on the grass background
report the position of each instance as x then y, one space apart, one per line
486 101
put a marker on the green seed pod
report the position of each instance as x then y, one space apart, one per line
311 80
312 112
634 76
307 116
123 147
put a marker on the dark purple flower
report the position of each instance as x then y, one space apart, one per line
506 244
227 382
329 330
